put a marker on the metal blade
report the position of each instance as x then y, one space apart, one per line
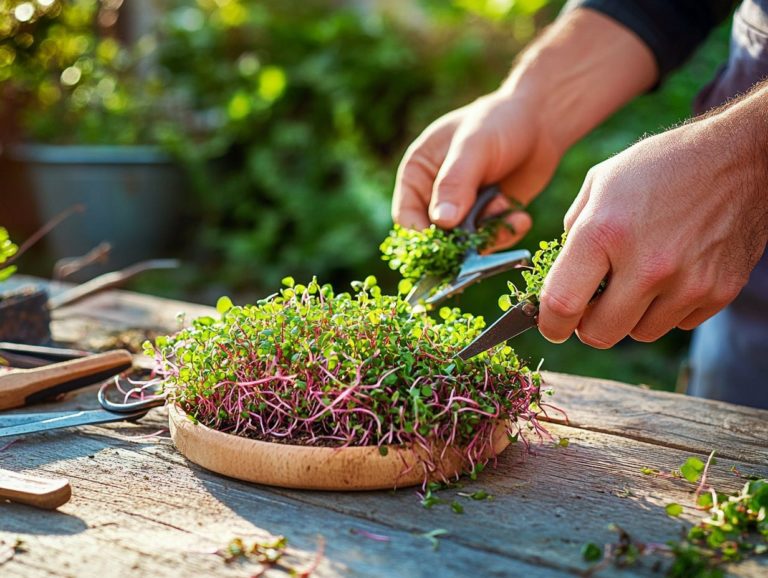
518 319
72 419
422 289
15 419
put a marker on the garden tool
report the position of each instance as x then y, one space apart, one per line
21 387
475 267
515 321
27 423
45 493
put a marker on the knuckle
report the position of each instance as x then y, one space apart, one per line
654 270
560 304
607 232
724 293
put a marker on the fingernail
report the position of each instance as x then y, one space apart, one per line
444 212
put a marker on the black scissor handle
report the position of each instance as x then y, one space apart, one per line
131 407
484 196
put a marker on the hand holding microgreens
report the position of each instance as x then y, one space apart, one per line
433 251
310 366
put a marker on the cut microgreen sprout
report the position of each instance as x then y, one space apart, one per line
310 366
735 528
432 251
433 537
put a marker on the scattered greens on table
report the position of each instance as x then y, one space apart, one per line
735 528
308 365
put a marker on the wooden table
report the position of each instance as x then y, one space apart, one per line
140 509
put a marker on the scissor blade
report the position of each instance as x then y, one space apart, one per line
422 289
15 419
518 319
72 419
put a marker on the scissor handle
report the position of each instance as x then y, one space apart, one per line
24 386
484 196
128 407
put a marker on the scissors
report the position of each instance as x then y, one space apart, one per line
515 321
21 387
474 267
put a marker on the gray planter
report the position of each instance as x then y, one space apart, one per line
132 195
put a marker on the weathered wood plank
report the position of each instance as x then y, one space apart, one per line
659 417
138 496
139 510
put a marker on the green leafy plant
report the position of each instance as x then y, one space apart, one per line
70 79
432 251
7 250
736 527
310 366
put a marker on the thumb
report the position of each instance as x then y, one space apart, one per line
458 180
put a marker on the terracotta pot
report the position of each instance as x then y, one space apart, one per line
308 467
24 316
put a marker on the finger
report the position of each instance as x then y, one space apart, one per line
458 180
518 225
418 170
665 313
412 191
615 313
570 285
578 204
697 317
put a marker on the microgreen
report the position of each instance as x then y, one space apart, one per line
433 251
310 366
534 276
433 537
591 552
736 527
673 510
7 250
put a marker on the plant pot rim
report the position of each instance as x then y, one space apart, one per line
88 154
308 467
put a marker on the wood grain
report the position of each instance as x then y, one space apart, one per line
141 509
659 417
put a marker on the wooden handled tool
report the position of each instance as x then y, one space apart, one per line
24 386
45 493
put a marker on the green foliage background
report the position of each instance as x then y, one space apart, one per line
290 118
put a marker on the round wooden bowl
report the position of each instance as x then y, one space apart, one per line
309 467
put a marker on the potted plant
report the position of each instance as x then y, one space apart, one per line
91 116
24 315
316 389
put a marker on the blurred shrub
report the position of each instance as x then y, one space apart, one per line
313 104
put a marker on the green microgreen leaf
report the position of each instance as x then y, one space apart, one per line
591 552
673 510
433 536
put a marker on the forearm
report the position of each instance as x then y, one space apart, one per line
579 71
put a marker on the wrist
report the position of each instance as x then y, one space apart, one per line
574 81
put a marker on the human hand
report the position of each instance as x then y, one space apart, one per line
676 223
497 139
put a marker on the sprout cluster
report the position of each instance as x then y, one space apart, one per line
309 366
7 250
432 251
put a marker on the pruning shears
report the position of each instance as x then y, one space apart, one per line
22 387
475 267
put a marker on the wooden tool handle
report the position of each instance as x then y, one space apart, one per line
23 386
46 493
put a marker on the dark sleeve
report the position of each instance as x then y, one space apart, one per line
672 29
